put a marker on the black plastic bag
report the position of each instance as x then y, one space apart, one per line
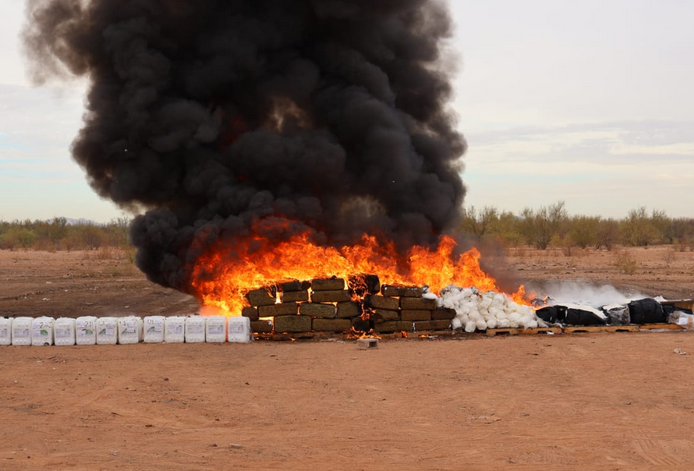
646 311
577 316
552 314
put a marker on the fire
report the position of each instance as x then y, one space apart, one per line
222 276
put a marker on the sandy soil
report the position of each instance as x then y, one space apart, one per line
570 402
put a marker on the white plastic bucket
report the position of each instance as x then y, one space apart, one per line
64 331
85 330
239 329
21 330
129 330
154 329
106 331
5 331
195 329
174 329
42 331
215 329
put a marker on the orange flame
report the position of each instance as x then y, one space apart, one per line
222 277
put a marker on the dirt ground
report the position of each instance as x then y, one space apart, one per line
573 402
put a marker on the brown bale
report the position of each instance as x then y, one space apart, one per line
318 310
349 309
415 315
292 324
278 310
251 313
402 291
327 284
331 296
417 303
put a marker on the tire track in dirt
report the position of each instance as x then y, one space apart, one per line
654 453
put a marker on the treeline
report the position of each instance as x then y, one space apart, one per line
548 226
552 226
58 234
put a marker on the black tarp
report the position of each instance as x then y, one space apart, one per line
646 311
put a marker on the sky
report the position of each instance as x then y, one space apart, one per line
586 102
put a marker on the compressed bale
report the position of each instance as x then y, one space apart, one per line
262 327
646 311
262 296
584 315
617 314
294 285
349 309
328 284
387 327
251 313
331 296
417 303
294 296
382 302
278 310
405 326
552 314
383 315
402 291
432 325
292 324
331 325
318 310
415 315
443 313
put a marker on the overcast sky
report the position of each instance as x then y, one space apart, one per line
587 102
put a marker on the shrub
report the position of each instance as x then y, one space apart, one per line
625 263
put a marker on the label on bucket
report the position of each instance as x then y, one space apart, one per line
62 333
129 327
39 332
196 328
20 333
154 325
174 329
216 329
236 328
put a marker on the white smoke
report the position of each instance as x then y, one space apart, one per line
576 292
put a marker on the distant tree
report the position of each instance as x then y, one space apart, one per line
541 226
607 233
92 236
583 230
57 230
638 229
479 223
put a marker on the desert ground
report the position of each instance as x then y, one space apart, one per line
607 401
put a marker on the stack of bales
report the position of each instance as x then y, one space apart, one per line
402 308
336 305
322 305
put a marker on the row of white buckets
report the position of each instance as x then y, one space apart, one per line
89 330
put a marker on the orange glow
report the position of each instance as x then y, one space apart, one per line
222 276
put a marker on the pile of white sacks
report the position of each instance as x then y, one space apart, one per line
478 310
89 330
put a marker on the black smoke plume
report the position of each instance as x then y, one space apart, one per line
226 118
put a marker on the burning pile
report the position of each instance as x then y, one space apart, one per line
330 305
344 301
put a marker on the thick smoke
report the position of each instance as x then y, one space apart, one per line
225 118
